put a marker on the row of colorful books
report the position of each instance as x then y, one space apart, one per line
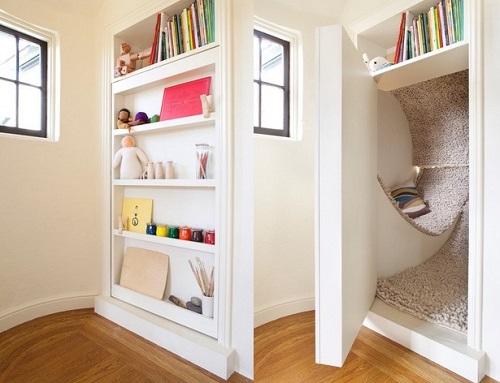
191 29
440 26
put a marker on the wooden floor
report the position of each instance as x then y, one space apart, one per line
284 352
81 346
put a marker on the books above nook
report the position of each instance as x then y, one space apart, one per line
440 26
176 34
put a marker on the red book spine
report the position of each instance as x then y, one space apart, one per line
154 47
400 38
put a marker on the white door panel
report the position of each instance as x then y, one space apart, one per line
346 179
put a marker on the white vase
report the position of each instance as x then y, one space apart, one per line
150 171
158 170
169 170
207 306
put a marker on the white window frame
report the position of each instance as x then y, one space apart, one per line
53 72
296 78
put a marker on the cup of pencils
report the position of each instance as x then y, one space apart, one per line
202 161
206 285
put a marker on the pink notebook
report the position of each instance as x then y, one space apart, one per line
183 100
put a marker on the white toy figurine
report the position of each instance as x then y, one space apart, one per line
132 159
376 63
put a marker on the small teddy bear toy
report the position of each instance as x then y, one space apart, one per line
132 159
375 64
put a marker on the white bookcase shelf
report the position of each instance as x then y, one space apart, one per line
166 309
181 201
199 60
173 183
173 242
450 59
377 33
191 122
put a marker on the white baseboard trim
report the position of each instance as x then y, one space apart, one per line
36 309
445 347
193 346
281 310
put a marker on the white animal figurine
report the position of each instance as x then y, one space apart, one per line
132 159
376 63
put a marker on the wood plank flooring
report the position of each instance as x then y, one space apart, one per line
81 346
284 352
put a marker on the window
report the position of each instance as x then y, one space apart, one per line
271 85
23 83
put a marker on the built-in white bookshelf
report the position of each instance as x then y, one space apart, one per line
182 201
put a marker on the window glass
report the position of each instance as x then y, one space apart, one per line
7 56
256 101
7 104
272 107
272 62
30 107
256 58
29 63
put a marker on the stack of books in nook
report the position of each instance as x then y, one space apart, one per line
177 34
440 26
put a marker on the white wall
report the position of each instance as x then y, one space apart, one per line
50 232
491 300
284 192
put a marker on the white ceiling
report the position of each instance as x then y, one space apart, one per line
318 7
87 7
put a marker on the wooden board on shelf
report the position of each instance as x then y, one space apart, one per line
145 271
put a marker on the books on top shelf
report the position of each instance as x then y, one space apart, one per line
190 29
440 26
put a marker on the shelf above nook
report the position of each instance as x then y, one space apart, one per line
450 59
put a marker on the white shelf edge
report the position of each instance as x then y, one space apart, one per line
189 122
166 62
166 310
447 60
156 74
190 245
183 183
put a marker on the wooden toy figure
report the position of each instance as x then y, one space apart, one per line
126 63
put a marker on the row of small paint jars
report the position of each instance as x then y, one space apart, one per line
185 233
